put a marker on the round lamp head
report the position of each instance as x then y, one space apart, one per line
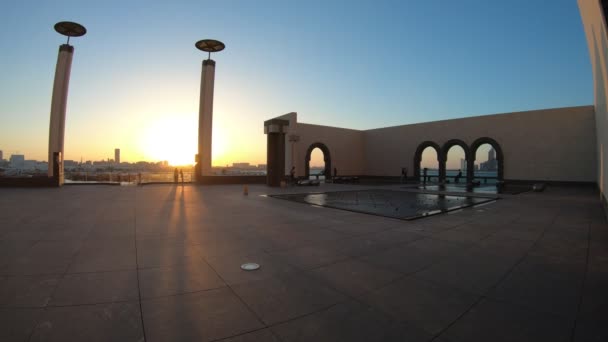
70 29
210 45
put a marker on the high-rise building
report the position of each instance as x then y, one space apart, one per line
117 155
1 156
491 154
463 164
491 164
17 161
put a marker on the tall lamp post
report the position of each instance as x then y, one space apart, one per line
60 98
205 111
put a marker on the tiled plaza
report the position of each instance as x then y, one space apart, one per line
162 263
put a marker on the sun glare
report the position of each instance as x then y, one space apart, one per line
172 139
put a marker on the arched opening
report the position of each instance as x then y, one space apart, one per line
318 162
456 155
488 161
455 165
427 157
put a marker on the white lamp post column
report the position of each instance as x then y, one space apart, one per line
59 99
205 109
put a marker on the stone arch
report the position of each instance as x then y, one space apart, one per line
326 159
418 155
499 155
446 148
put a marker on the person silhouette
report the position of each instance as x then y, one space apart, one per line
403 174
175 175
424 176
181 174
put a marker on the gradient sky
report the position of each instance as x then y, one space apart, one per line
136 74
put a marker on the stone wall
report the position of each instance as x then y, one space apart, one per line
550 144
597 42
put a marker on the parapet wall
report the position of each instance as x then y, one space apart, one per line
597 42
345 147
552 144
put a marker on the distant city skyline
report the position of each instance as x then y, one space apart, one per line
135 83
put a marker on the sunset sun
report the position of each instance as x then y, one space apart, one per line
172 139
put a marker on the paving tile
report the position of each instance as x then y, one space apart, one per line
474 271
280 240
414 256
27 291
526 232
396 236
537 217
348 321
93 288
595 296
353 229
498 321
234 247
357 246
102 322
543 284
264 335
578 234
592 328
9 250
309 257
25 235
158 230
76 233
201 316
105 255
465 234
568 250
113 229
504 246
286 296
592 320
18 324
229 267
211 237
354 277
426 305
165 252
433 225
43 257
190 277
56 249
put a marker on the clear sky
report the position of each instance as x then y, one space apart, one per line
136 74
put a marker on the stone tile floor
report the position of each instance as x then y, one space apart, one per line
161 263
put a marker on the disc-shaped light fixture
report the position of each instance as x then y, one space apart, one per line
70 29
210 45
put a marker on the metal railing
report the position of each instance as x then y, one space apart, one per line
126 177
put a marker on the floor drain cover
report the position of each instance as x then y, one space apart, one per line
250 266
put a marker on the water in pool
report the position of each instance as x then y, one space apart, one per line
389 203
